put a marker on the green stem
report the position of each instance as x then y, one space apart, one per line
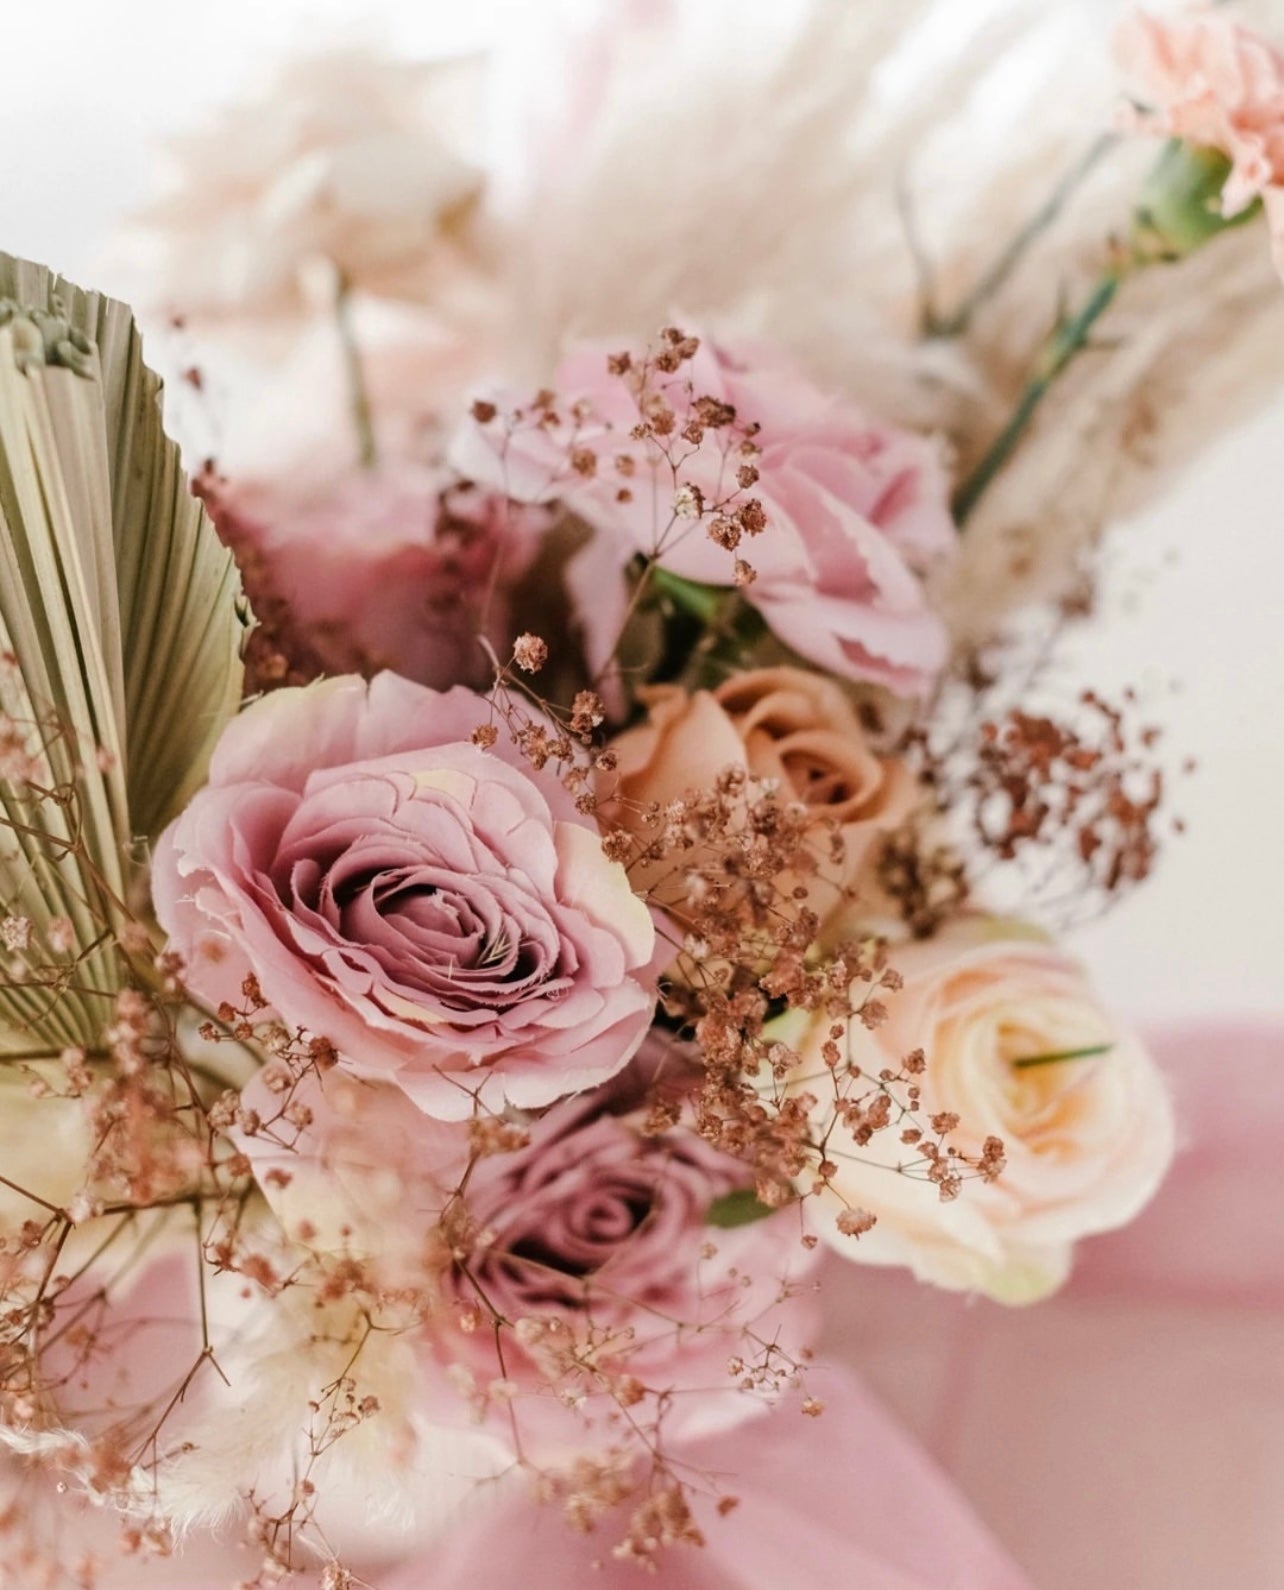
725 645
358 391
1068 339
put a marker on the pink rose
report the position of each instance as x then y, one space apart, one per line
595 1246
380 568
1217 85
441 913
855 509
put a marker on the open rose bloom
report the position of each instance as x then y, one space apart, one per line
446 918
528 945
857 509
1011 1041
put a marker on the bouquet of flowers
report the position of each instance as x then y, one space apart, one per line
565 821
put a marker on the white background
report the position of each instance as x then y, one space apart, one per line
1198 592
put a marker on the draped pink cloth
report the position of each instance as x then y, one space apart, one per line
1127 1435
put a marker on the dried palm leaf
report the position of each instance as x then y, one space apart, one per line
121 625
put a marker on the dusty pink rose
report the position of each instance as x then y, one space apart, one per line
441 913
1206 79
794 728
855 508
594 1243
384 568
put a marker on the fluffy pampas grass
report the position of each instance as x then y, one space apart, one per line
850 172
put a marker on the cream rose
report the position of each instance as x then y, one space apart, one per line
1018 1048
795 728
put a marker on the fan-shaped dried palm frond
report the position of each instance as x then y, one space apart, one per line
120 636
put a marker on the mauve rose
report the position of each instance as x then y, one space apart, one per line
441 913
1087 1136
594 1243
381 568
795 728
855 508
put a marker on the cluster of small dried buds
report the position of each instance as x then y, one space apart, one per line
489 1135
715 859
1038 781
661 1521
927 881
530 653
589 1488
674 422
1079 792
546 734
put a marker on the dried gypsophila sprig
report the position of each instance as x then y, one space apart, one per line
1057 800
684 456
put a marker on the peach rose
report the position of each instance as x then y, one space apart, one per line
784 724
1018 1048
1217 85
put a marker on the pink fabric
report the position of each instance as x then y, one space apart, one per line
1126 1434
844 1502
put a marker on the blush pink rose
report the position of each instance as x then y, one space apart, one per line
594 1243
441 913
380 568
1218 85
855 509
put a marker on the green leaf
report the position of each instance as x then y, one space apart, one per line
739 1208
1056 1056
701 601
121 628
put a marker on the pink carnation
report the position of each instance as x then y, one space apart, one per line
855 509
1206 79
380 569
441 913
